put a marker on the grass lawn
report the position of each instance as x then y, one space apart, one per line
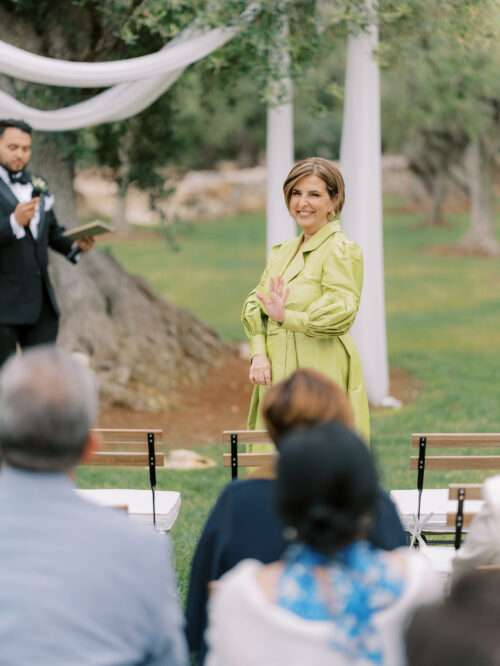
443 322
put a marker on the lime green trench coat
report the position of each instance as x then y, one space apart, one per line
324 276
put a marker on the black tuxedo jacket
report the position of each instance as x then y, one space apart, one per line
24 263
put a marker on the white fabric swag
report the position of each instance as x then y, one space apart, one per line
178 53
136 82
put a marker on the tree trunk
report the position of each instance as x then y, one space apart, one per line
120 211
434 183
480 237
123 180
438 195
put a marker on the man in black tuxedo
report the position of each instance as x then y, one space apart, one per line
28 227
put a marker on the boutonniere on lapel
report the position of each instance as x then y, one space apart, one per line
40 186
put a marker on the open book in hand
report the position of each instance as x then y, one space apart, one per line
95 228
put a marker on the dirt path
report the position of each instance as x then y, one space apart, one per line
219 403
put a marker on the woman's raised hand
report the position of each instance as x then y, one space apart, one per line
260 370
274 302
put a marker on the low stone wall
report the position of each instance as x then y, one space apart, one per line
208 195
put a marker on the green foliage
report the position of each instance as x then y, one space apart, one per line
444 76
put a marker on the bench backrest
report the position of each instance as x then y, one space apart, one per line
131 447
234 440
453 440
128 447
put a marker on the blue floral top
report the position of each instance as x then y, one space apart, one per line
360 586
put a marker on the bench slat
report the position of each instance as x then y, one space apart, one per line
125 459
457 439
247 437
452 515
127 437
250 459
458 462
473 491
128 431
132 447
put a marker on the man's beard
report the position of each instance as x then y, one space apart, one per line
10 170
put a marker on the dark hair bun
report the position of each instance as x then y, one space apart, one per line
327 485
326 529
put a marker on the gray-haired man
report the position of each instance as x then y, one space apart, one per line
79 584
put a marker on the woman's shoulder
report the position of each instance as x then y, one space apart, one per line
248 490
238 583
421 580
340 245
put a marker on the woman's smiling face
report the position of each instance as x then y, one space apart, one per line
310 204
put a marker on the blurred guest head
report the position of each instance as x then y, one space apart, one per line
48 404
326 493
304 399
462 630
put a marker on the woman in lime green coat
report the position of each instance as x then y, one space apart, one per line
300 313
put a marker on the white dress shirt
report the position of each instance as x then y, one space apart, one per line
23 191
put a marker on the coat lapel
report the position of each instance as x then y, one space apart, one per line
295 264
12 200
293 261
8 194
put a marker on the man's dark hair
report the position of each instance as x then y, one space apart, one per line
17 124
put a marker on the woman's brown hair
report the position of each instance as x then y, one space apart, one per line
306 398
324 169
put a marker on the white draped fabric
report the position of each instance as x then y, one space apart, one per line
136 82
279 159
117 103
176 54
279 144
362 216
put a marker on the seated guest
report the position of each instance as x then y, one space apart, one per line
80 584
462 630
482 544
244 523
332 597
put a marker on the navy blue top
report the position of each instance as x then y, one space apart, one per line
244 524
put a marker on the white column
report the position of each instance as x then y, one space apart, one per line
279 148
362 215
279 158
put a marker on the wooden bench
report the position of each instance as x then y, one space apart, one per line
434 505
447 462
234 458
130 447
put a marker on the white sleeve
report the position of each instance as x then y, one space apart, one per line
49 201
17 229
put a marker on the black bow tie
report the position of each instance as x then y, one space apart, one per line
21 177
